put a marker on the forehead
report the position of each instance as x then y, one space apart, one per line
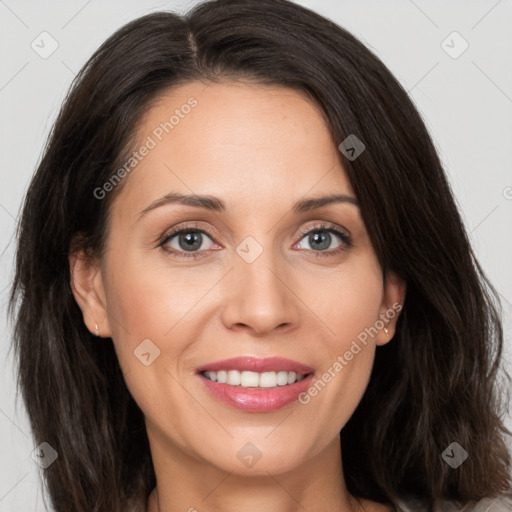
235 139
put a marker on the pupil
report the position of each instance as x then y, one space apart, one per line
190 241
323 239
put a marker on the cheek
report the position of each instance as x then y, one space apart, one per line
147 314
147 298
350 300
349 306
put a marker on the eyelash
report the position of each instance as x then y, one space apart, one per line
346 241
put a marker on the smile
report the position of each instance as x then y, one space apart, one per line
248 379
255 384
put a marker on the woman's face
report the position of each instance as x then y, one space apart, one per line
259 271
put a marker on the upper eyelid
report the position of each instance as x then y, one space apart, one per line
318 226
324 226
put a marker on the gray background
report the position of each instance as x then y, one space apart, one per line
465 101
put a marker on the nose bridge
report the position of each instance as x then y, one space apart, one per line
258 295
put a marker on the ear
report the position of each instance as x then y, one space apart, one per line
392 303
87 285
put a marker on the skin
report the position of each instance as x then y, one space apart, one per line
260 149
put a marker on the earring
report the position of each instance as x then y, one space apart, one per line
97 330
386 330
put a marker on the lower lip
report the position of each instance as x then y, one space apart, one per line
257 400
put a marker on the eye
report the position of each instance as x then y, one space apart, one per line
194 242
186 241
325 238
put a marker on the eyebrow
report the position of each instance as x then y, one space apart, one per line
217 205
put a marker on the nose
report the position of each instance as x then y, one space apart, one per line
260 297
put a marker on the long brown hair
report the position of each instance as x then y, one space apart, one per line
435 383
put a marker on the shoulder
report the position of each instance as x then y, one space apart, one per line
498 504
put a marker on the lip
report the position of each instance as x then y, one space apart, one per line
257 399
258 364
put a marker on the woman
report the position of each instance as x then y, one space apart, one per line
242 282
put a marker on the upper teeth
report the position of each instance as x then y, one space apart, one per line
249 379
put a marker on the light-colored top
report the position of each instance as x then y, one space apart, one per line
500 504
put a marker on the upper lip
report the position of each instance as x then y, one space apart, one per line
257 364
